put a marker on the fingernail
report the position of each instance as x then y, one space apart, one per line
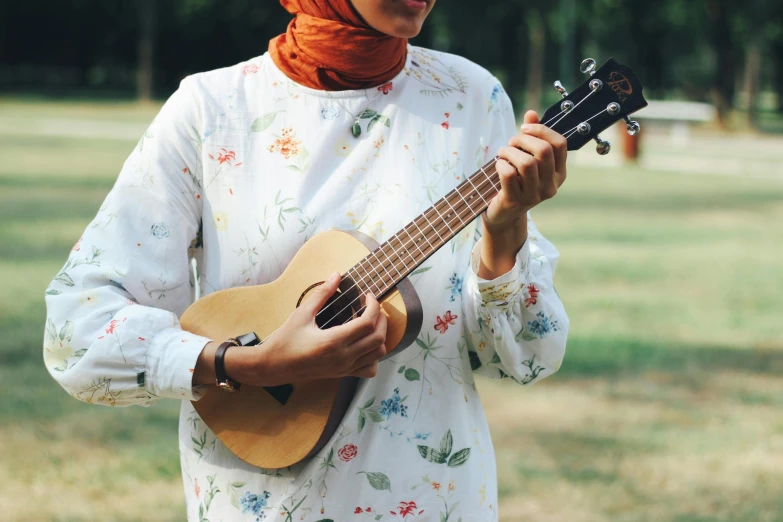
526 127
333 277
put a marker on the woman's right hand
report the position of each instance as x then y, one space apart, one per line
300 350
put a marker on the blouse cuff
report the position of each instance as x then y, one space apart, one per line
499 292
171 361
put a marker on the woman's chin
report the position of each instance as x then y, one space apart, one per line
405 28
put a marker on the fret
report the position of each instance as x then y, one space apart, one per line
368 274
423 234
472 200
445 221
424 215
476 190
465 200
380 265
371 283
490 178
402 247
390 261
435 208
398 254
423 255
446 199
496 187
356 281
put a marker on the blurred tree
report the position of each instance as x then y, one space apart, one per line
535 57
760 28
720 15
697 49
146 39
777 64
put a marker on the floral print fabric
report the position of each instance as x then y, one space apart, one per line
238 170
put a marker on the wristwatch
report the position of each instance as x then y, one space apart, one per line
223 381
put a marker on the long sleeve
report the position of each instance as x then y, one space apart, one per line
112 333
515 325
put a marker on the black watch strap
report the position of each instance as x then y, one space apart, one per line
223 381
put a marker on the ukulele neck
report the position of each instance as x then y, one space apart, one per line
405 251
612 93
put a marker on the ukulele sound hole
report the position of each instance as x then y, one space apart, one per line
341 307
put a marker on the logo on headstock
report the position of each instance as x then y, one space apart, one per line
620 85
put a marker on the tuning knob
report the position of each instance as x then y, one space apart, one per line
560 89
602 147
587 66
632 127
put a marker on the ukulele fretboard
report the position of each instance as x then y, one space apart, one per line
412 245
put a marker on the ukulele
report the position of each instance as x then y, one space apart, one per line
275 427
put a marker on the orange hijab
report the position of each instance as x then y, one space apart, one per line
329 47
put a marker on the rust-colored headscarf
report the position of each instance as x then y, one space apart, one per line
329 47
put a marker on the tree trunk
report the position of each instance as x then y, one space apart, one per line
777 60
535 60
752 76
145 43
723 79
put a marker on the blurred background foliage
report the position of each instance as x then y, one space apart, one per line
721 51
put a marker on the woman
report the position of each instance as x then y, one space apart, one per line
341 124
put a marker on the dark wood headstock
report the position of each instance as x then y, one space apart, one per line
612 93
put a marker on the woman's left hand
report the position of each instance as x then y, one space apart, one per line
531 169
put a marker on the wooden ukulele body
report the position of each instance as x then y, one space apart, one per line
254 425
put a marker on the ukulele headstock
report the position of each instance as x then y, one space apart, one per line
612 93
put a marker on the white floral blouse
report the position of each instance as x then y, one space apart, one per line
238 170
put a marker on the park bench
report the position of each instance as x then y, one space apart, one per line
678 116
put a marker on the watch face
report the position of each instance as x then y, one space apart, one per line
248 339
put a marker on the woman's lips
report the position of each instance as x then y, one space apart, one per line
415 4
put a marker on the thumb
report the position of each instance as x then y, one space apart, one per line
322 293
531 117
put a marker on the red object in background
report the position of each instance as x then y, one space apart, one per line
630 144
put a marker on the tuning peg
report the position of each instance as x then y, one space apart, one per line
632 127
587 66
602 147
560 89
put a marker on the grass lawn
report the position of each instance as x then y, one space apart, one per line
669 406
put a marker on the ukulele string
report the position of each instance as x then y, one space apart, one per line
571 110
481 193
406 244
362 308
562 115
480 187
555 116
567 134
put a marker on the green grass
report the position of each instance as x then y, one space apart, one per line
667 407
